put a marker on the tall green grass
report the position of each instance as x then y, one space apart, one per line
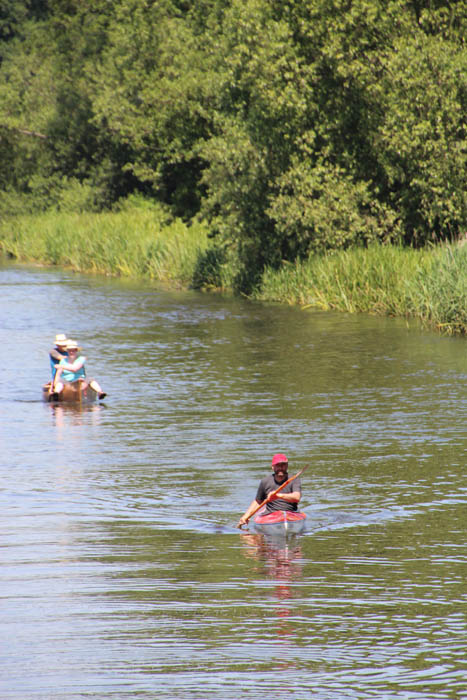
142 240
134 242
429 284
439 297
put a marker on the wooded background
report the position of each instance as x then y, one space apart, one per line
292 126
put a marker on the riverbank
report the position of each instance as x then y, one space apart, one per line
428 284
145 241
140 241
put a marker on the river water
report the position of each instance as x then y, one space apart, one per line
122 574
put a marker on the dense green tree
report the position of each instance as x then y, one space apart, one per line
27 104
292 167
147 88
421 140
316 100
263 103
292 125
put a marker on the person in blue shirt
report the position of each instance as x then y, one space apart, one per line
71 369
58 352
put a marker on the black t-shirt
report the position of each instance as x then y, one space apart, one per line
269 484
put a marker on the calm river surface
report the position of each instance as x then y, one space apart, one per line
121 573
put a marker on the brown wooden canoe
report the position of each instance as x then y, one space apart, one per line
76 392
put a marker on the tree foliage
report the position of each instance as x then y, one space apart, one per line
291 125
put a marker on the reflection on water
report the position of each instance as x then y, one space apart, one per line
122 573
75 414
279 559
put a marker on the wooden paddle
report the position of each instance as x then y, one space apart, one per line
52 386
273 493
54 378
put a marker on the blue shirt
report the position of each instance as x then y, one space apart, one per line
68 375
55 357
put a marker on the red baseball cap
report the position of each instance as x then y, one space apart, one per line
279 459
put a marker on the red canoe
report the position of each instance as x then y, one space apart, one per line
280 522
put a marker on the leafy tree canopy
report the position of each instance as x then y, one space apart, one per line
292 125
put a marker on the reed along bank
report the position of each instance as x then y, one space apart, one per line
146 242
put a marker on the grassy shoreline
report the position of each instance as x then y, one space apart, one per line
428 284
145 242
139 242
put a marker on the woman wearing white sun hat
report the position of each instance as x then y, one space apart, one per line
71 369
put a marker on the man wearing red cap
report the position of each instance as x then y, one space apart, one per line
287 499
